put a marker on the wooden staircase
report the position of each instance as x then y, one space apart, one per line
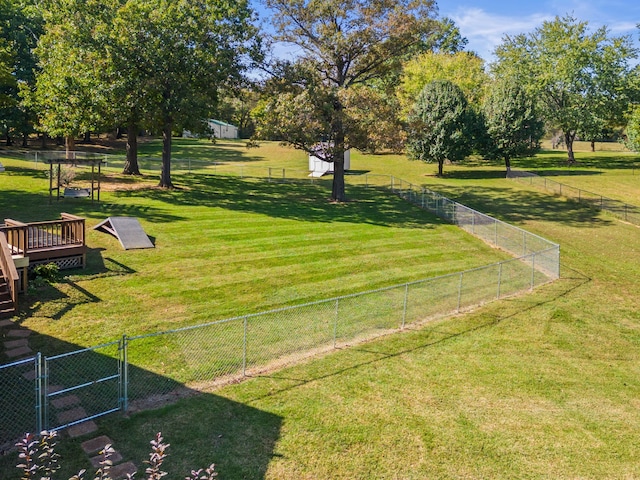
9 280
7 307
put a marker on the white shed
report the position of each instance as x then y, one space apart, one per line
223 130
319 167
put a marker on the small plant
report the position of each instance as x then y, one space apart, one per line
44 274
39 460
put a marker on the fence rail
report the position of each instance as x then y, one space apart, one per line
628 213
142 371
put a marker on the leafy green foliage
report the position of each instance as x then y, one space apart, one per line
44 274
20 27
441 124
464 69
633 131
512 123
580 78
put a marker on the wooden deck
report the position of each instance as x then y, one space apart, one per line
25 245
58 241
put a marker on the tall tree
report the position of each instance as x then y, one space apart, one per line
512 123
179 54
342 44
20 28
578 77
153 63
440 124
68 94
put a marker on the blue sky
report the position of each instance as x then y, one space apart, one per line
485 22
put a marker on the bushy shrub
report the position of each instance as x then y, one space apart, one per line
44 274
40 461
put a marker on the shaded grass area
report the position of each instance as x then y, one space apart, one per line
539 386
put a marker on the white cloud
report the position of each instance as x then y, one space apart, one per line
485 31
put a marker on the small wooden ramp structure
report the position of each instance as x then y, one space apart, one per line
127 230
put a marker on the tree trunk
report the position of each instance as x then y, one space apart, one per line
69 146
593 145
337 190
568 140
25 140
440 167
131 166
87 137
165 174
507 163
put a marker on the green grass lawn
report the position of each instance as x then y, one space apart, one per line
538 386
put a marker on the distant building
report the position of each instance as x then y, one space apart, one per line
218 128
222 129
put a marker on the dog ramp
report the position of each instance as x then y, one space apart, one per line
127 230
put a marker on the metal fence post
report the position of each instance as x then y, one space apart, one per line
533 270
404 306
460 292
335 324
499 279
244 348
45 395
124 378
39 396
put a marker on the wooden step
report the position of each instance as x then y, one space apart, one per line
7 308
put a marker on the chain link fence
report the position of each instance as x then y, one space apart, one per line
205 356
146 371
82 385
624 211
19 400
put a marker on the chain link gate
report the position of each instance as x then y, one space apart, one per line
83 385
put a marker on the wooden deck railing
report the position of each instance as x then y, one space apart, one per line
46 240
9 271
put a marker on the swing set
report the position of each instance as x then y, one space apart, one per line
63 186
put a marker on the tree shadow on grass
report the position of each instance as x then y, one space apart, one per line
557 159
219 152
515 206
55 300
291 200
202 428
307 202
